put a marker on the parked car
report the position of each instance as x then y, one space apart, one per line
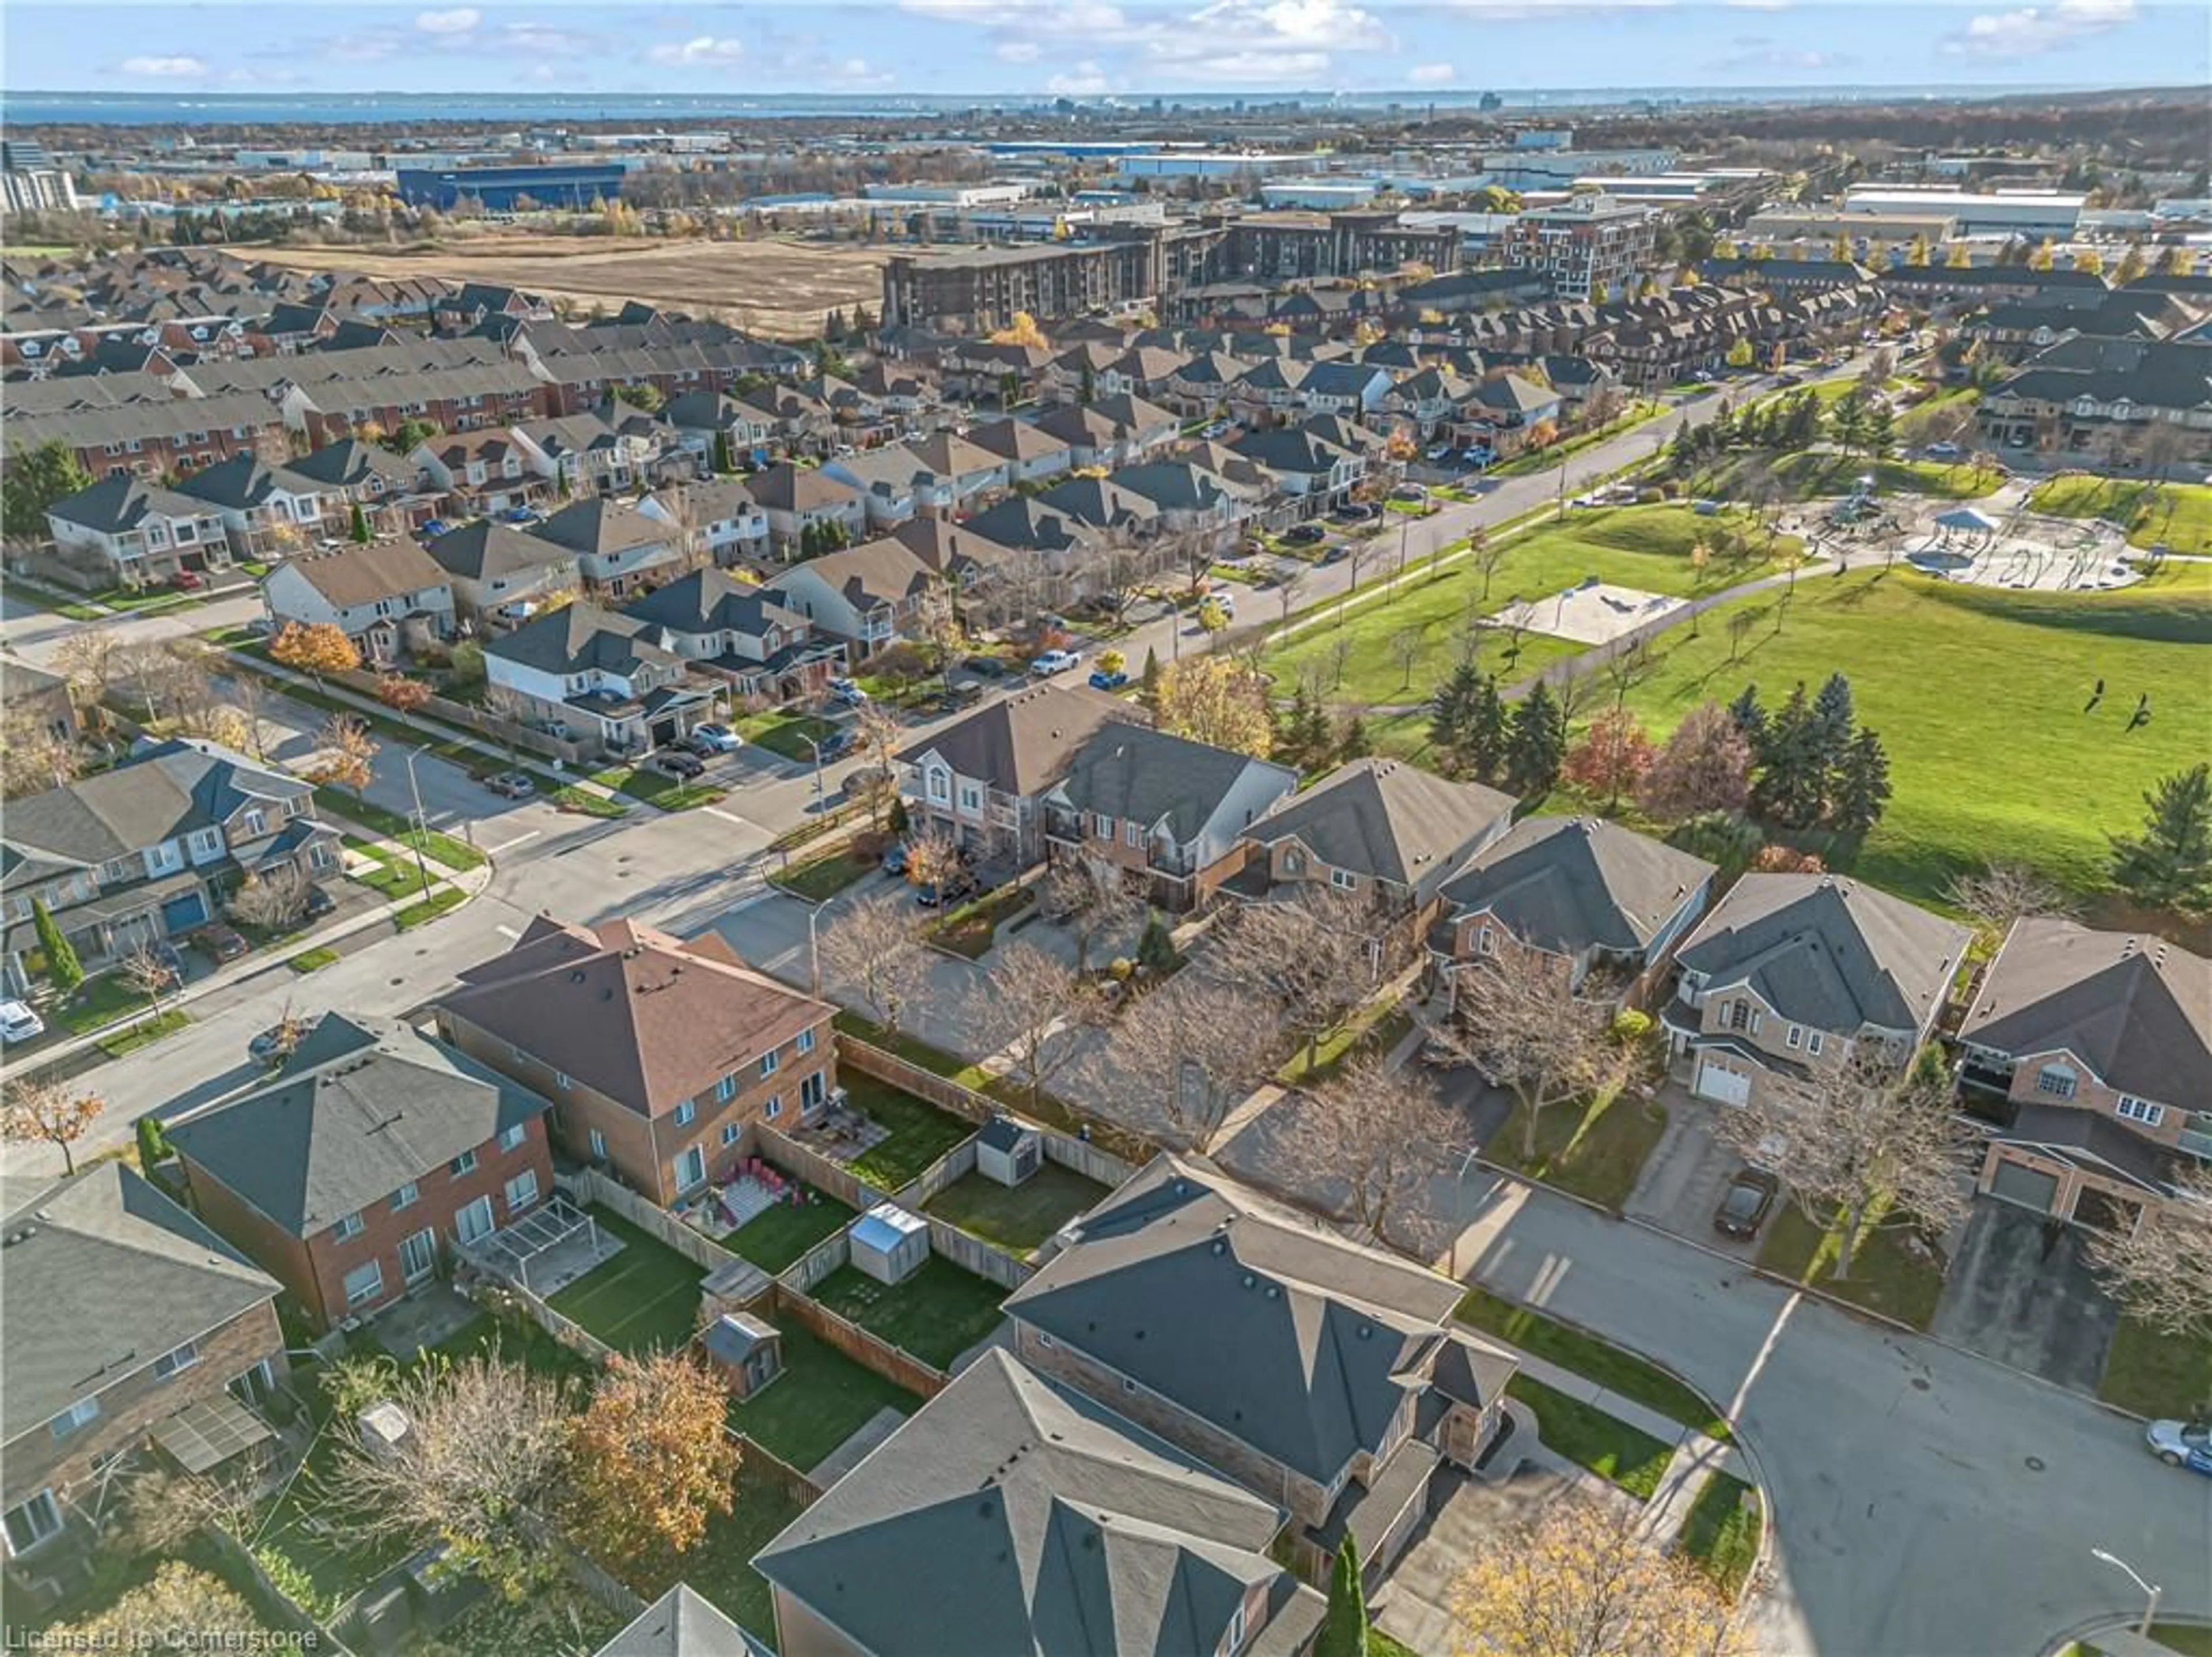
2181 1444
984 667
520 515
512 785
693 744
1305 534
1336 554
718 739
957 885
319 903
1048 663
1213 429
894 858
1224 599
847 692
188 581
835 745
1746 1203
1358 512
1941 451
674 762
18 1023
275 1045
219 943
1102 680
1440 451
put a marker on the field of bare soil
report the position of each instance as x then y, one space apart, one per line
778 287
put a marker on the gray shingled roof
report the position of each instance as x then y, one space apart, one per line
1386 819
603 526
2136 1009
680 1623
111 1275
120 503
1298 1343
1022 743
362 1107
1127 770
581 636
156 795
1040 1522
1828 951
1568 884
487 549
713 601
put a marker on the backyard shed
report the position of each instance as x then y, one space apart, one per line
1008 1151
888 1243
747 1351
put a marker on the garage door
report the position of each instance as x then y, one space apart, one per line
1722 1087
2031 1188
182 914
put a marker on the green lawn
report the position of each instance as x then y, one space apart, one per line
821 1400
784 732
1375 1028
390 875
1646 547
1979 695
820 878
2157 1375
969 929
1816 474
921 1133
429 909
1589 1438
644 1297
1020 1218
313 960
2178 515
720 1568
935 1314
98 1000
1885 1277
1596 1153
1595 1359
145 1033
657 788
774 1238
433 843
1721 1534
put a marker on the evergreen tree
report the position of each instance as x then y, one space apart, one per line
358 525
2169 864
1344 1625
1314 738
1803 428
726 459
1148 682
1829 728
1448 709
1483 733
1880 431
1538 742
1751 719
63 971
1156 948
1861 788
37 479
1682 451
1793 772
1351 741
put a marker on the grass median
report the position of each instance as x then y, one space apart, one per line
1595 1359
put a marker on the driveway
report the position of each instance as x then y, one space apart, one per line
1414 1603
1681 1183
2024 1294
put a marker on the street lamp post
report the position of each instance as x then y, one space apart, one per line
2153 1593
814 950
422 822
1459 1205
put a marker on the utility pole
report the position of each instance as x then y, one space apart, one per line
422 822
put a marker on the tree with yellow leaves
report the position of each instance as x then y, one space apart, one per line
1217 699
1580 1581
2089 260
1022 331
314 648
49 1112
2040 259
347 750
1958 257
649 1464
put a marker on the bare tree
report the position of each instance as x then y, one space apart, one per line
1315 957
933 856
1027 1006
1405 650
2162 1269
274 901
1861 1143
1288 589
1740 623
2001 894
91 659
146 970
1191 1047
875 948
1627 668
1086 896
39 1111
1382 1132
33 756
1489 554
1520 1022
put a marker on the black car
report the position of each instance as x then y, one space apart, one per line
1305 534
835 745
984 667
1357 512
698 746
319 903
675 762
954 886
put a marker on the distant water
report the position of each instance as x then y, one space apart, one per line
391 108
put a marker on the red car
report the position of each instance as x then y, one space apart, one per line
188 581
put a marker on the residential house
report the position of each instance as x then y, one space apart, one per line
967 470
1353 390
619 548
1042 1521
499 574
870 596
2093 1052
1204 383
982 577
589 455
268 511
1378 829
1510 412
148 848
482 472
800 424
983 779
1603 899
720 516
374 1157
1185 498
893 481
1166 811
1789 972
680 1623
796 499
126 532
1140 371
128 1319
1305 465
658 1053
740 634
39 701
388 488
1026 450
589 675
1321 1374
2103 398
386 596
1425 399
1110 432
718 429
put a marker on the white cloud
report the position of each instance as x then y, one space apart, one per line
359 48
1758 5
461 20
1247 67
703 49
1018 51
1085 80
2031 31
170 69
1429 75
546 38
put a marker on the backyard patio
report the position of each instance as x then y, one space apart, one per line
885 1136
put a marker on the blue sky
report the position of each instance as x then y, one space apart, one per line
1089 48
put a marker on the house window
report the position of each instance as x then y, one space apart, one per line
514 1135
253 823
774 1108
348 1226
726 1088
522 1190
598 1145
806 1042
940 788
770 1060
1486 942
1813 1043
1796 1037
1235 1636
971 797
29 1523
1102 826
364 1282
1739 1015
2054 1079
684 1112
730 1131
403 1197
76 1415
560 1078
1044 1340
182 1357
690 1168
1343 879
465 1163
253 1386
2132 1109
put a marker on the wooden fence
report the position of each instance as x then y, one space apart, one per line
974 1254
872 1351
955 1165
477 721
801 1276
589 1185
288 1612
823 1173
571 1334
758 1458
591 1578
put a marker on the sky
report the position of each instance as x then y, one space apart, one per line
1097 48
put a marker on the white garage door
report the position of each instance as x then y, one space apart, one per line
1722 1087
2031 1188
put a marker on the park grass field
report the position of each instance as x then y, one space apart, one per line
1978 695
1640 546
2178 515
1814 474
